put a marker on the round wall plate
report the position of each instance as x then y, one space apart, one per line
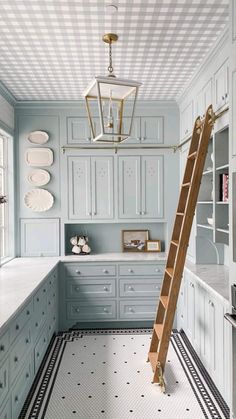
38 137
38 200
38 177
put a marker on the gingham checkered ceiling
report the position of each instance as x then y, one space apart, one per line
51 49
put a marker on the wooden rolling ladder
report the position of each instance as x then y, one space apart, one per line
178 246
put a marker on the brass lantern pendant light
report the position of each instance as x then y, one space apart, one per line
110 103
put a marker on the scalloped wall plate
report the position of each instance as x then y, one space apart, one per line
41 157
38 137
38 177
38 200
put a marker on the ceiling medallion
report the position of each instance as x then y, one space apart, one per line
112 100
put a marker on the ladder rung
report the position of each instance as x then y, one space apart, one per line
153 356
158 329
164 300
169 271
186 185
175 242
192 156
181 214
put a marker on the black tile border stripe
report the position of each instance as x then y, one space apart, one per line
222 403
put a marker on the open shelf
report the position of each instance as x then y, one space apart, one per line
223 230
222 202
225 166
205 202
207 226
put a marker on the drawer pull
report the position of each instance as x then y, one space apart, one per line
2 348
26 340
54 317
27 375
143 212
37 354
77 288
157 270
16 359
1 385
130 270
131 310
44 290
17 326
16 399
77 271
36 324
54 276
130 288
43 313
37 299
222 97
44 340
105 271
105 288
77 310
157 287
105 310
28 312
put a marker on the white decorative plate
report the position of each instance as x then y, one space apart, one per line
38 137
39 156
38 200
38 177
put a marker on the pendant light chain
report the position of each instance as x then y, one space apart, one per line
110 68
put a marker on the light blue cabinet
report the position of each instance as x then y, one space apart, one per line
78 130
141 187
90 186
23 345
145 130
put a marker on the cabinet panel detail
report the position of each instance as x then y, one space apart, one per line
92 310
75 269
152 187
78 130
139 287
143 310
79 188
129 187
40 237
152 129
78 289
147 270
103 186
221 86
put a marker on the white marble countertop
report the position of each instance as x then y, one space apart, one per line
214 277
117 257
19 278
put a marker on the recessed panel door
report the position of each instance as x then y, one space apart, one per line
79 187
102 188
129 187
152 187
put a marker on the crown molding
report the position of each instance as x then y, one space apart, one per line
217 46
21 104
5 92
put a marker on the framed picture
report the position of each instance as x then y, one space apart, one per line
134 240
153 245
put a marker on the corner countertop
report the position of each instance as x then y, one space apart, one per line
214 277
19 279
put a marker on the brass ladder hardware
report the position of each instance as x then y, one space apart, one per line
178 245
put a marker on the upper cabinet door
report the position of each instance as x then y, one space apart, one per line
79 187
152 129
129 187
187 121
221 86
102 188
78 130
135 137
207 95
152 186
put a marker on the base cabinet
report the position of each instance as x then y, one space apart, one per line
201 316
23 345
98 292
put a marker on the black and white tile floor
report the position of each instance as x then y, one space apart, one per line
104 374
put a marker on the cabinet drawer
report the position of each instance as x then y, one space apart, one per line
21 388
146 270
74 269
4 344
19 352
139 287
140 310
39 319
5 413
40 349
90 288
40 298
92 310
52 280
4 380
19 322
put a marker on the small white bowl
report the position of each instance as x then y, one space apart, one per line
210 221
